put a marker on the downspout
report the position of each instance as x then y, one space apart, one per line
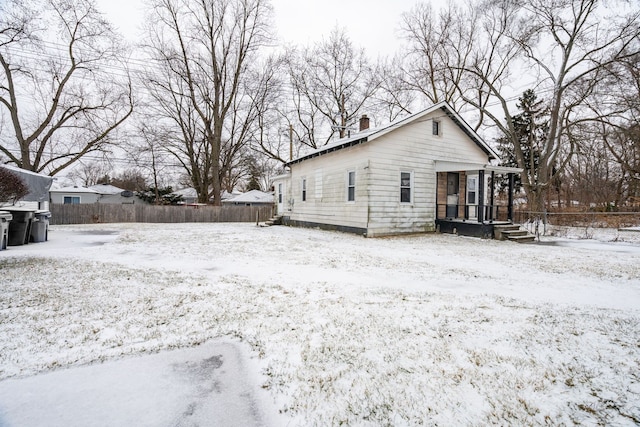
368 180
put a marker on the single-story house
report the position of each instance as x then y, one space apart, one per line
425 172
189 195
251 198
99 193
115 195
73 195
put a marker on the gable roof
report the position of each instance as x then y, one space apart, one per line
106 189
74 189
371 134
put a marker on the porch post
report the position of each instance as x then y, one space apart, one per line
481 185
510 198
492 192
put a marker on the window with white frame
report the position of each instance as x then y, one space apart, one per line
279 193
71 200
436 128
406 181
351 186
304 189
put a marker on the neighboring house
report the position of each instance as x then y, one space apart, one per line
112 194
427 171
226 195
100 193
251 198
189 196
73 195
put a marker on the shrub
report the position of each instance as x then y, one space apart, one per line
12 187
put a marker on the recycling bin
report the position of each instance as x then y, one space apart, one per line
20 225
40 226
5 218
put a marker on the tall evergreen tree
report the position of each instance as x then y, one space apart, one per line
531 127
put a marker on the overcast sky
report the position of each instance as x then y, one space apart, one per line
371 24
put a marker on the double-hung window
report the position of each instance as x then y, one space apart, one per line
304 189
351 186
405 187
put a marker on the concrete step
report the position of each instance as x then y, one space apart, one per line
522 239
506 226
514 233
500 232
276 220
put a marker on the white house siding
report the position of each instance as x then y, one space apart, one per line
377 209
326 202
58 197
413 148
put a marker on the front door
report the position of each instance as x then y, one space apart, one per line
280 198
453 194
472 196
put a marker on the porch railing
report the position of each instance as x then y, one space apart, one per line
471 212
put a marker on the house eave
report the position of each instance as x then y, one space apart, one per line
327 150
448 166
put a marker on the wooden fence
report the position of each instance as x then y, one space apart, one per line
109 213
580 219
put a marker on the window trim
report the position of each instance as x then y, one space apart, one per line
410 187
436 127
280 197
72 198
351 197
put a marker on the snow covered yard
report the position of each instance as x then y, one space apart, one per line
429 329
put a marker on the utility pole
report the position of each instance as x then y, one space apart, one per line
290 142
343 118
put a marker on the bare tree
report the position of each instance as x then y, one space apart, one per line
331 84
150 155
88 173
203 50
440 43
572 67
395 97
65 99
565 51
620 131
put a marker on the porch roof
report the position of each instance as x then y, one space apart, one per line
448 166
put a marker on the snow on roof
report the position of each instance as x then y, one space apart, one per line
106 189
74 189
186 192
253 196
226 195
371 134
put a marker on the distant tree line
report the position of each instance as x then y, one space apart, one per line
213 98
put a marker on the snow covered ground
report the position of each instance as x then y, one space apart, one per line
426 329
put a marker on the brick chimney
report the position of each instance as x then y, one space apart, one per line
364 122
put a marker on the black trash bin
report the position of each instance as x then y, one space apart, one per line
5 218
40 226
20 225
